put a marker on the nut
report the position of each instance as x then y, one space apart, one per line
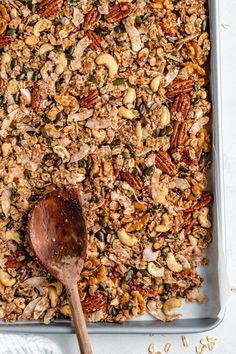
5 40
110 63
90 18
179 86
202 202
62 152
134 181
181 104
118 12
165 226
164 117
41 26
130 96
94 303
203 218
126 239
143 55
95 39
172 264
127 113
53 297
90 100
165 164
170 304
155 83
192 240
154 270
6 279
65 310
46 47
62 64
4 19
49 7
137 226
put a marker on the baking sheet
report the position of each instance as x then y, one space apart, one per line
196 317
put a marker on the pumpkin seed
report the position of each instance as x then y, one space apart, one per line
101 31
138 21
102 222
20 77
92 78
165 250
48 157
156 132
16 97
120 28
125 154
142 108
27 173
58 86
14 63
100 236
127 306
14 195
169 130
144 272
43 131
119 81
114 311
128 276
149 171
204 25
163 132
58 162
153 107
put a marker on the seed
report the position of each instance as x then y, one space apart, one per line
204 342
127 306
169 130
59 116
144 272
14 195
92 78
35 76
14 63
82 163
204 25
152 239
138 21
200 349
101 31
16 97
100 236
165 250
185 341
156 132
102 222
43 131
149 171
184 169
146 15
153 107
128 276
20 77
119 81
163 132
142 108
120 28
10 31
135 172
152 348
48 157
27 173
168 348
58 86
114 311
148 90
58 162
195 100
125 154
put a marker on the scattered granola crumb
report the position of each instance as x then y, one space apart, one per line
225 25
200 349
233 289
185 341
204 342
168 348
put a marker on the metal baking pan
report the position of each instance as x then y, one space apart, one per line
196 318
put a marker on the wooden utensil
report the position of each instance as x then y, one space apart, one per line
58 236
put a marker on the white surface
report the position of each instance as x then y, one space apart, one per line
138 344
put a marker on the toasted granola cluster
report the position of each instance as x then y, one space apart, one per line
109 98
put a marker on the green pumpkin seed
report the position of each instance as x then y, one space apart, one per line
163 132
48 157
152 239
43 131
102 222
119 81
20 77
204 25
14 194
100 236
27 173
58 162
101 31
58 86
144 272
114 311
10 31
16 97
138 21
127 306
148 90
120 28
145 16
165 251
125 154
92 79
128 276
169 130
142 108
135 172
156 132
195 100
149 171
153 107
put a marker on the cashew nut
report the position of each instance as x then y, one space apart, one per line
41 26
155 83
6 279
143 55
192 240
62 64
109 62
58 286
164 117
172 264
130 96
46 47
165 226
6 149
127 113
62 152
154 270
126 239
170 304
65 310
52 294
203 218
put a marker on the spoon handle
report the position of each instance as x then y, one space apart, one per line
78 319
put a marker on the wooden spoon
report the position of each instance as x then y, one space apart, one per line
58 236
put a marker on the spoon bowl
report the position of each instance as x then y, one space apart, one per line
58 236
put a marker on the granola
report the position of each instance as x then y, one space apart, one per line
110 98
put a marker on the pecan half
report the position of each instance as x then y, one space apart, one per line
181 104
95 40
189 227
164 163
118 12
90 18
35 99
90 100
179 86
94 303
49 7
134 181
3 19
179 134
4 40
137 226
13 263
203 201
